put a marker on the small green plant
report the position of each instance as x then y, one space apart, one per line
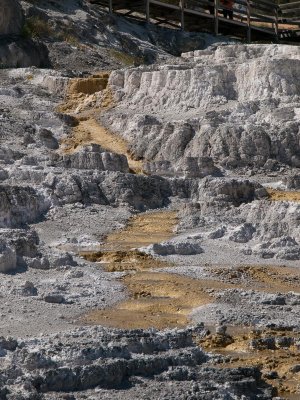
67 35
36 27
126 59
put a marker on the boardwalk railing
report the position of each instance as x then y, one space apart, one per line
290 13
263 18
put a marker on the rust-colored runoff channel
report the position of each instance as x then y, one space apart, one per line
156 299
86 99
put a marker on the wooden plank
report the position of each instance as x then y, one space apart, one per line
276 24
165 5
147 11
261 17
295 4
181 5
216 15
270 3
291 11
198 13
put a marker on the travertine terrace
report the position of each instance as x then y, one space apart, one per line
149 210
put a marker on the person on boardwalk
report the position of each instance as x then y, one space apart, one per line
227 8
211 7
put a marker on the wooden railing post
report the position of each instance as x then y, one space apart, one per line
181 5
276 23
248 21
110 6
216 17
148 11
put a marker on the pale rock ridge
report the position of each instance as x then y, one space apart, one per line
260 227
92 357
20 206
8 258
94 158
237 104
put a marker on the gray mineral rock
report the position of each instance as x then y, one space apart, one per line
11 17
8 258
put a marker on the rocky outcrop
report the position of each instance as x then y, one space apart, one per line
179 247
270 229
15 50
292 181
93 158
110 359
11 17
24 241
189 167
22 53
138 191
18 248
20 206
8 258
236 104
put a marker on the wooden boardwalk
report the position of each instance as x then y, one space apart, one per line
250 19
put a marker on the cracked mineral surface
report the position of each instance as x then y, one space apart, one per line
149 210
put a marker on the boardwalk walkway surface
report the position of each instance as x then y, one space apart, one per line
252 19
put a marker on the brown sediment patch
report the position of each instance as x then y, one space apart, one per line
89 94
118 261
86 98
274 351
277 279
143 230
161 300
281 195
119 253
157 299
90 85
267 278
166 300
90 131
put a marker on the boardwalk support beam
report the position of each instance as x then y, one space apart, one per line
148 11
276 24
111 6
181 5
216 17
248 21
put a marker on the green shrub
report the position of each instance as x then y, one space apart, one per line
126 59
36 27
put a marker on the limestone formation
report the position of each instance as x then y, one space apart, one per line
20 206
112 358
92 158
8 258
224 107
215 134
175 247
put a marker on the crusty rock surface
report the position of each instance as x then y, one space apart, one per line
93 158
104 359
236 104
8 258
213 131
20 206
16 52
